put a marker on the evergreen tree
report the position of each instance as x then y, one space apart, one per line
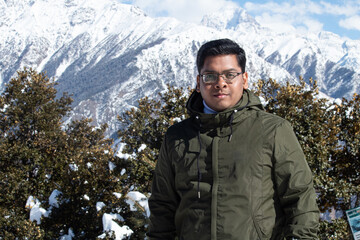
143 129
347 155
29 119
38 155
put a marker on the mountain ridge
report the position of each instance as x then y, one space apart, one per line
109 54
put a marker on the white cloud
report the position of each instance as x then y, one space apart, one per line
352 23
276 22
306 8
287 17
284 8
302 16
184 10
313 25
348 9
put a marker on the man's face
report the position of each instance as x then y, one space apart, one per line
221 95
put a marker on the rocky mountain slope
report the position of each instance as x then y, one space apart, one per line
108 54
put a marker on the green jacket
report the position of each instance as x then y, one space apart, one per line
238 174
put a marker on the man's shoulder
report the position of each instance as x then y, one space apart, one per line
181 131
272 121
270 117
180 126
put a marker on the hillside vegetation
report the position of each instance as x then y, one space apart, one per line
72 175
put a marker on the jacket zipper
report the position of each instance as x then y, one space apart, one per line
214 187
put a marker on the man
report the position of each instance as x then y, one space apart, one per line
230 171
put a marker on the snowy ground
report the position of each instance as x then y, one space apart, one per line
37 213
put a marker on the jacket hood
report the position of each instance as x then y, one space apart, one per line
195 108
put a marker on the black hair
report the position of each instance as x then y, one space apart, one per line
220 47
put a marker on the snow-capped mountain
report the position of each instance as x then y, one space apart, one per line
108 54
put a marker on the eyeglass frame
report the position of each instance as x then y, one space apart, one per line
218 75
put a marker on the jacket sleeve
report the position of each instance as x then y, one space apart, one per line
164 200
294 185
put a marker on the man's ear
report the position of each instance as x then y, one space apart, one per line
245 80
198 83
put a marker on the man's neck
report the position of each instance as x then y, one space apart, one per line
208 110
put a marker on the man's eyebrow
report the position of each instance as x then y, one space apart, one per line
227 70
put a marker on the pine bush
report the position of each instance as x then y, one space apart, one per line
40 155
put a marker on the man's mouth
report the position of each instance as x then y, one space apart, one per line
221 95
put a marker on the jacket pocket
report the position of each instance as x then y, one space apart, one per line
192 226
260 233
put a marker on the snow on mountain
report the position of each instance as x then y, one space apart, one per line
331 60
108 54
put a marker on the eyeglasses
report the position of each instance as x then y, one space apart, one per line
210 78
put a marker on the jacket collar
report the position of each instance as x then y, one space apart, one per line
225 118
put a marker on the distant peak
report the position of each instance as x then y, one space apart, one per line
228 17
16 3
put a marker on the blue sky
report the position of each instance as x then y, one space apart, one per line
339 16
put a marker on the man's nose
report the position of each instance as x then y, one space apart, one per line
221 83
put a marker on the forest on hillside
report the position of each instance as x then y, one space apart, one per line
77 181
